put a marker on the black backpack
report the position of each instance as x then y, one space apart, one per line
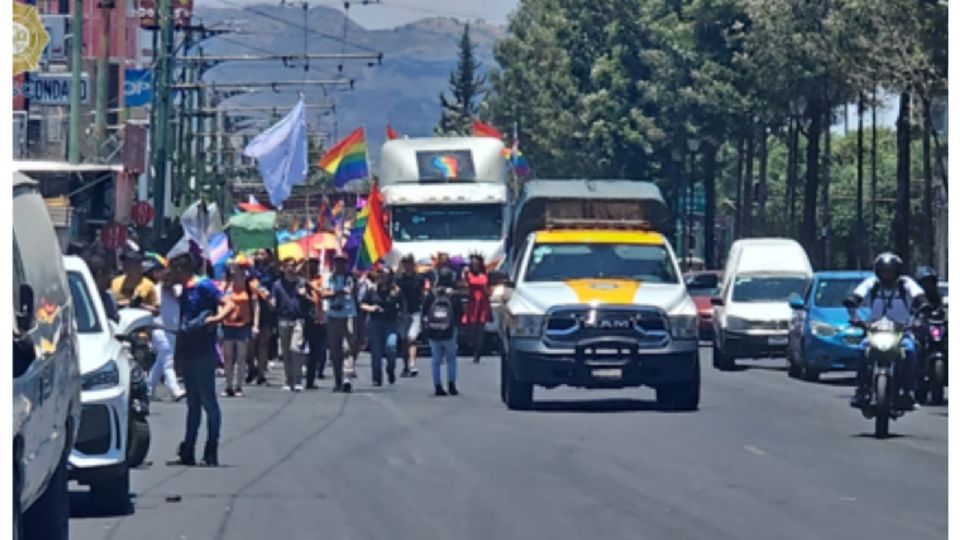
439 317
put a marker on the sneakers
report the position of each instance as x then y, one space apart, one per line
452 389
261 380
414 372
286 388
347 387
238 392
438 390
227 392
179 395
391 377
377 384
405 373
298 388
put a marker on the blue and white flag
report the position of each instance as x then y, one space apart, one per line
281 154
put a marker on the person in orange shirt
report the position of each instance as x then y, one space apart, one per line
241 325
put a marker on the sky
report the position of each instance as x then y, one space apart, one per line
391 13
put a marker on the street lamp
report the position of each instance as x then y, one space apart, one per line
693 144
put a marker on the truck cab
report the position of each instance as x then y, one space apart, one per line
593 296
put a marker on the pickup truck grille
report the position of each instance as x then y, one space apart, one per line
569 325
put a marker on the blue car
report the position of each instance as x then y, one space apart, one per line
821 338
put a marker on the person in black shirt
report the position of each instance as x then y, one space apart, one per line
441 315
384 304
412 286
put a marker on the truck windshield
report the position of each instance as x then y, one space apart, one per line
562 262
767 288
460 222
85 313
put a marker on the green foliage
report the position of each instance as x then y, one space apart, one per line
467 86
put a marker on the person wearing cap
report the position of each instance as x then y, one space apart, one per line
341 310
164 338
316 326
132 288
241 325
290 298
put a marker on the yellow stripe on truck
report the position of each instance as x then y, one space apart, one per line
600 236
604 291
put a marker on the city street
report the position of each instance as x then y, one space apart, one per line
764 457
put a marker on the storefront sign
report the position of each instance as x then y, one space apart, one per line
51 88
137 87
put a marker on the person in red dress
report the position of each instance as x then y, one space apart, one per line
478 312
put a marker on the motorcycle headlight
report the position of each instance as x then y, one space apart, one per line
737 324
527 325
684 326
884 342
106 376
822 329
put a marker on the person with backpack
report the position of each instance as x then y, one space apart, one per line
441 313
385 304
895 296
241 327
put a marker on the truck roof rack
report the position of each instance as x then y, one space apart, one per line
619 224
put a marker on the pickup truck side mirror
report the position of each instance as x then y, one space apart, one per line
796 302
716 300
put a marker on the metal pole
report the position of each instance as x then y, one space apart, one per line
76 50
163 116
103 68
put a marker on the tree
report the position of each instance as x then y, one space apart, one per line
467 87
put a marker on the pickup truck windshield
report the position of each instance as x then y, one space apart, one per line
562 262
460 222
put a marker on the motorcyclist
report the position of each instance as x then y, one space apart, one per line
889 294
929 281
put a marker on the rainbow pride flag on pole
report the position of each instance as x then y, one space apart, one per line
347 160
369 234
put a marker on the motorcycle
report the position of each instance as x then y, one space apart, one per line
884 356
932 371
138 324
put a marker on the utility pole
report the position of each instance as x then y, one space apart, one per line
103 67
76 50
163 116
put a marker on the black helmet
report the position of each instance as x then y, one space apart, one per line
927 274
890 264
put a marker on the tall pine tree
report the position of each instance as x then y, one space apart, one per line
467 86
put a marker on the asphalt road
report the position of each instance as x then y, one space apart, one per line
764 457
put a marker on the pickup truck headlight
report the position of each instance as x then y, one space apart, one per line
683 326
822 329
737 324
106 376
527 325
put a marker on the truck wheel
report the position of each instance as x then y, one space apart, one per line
112 494
720 360
49 516
810 373
518 395
683 396
138 441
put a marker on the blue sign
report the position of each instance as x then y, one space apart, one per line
137 87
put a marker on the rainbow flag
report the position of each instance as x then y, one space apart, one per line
391 133
374 242
347 160
482 129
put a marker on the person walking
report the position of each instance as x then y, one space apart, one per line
412 286
290 299
441 311
341 311
384 304
241 327
260 352
478 312
132 288
202 308
164 338
316 325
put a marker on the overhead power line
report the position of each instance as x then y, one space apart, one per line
277 56
262 84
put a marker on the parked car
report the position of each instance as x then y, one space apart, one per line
46 379
821 338
751 316
703 286
99 457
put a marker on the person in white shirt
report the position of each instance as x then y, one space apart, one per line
165 338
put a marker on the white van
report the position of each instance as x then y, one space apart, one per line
46 379
751 316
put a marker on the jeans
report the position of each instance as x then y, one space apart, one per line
338 331
445 350
164 343
382 337
235 345
907 378
199 374
291 350
317 359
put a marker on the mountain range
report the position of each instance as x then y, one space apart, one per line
402 90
